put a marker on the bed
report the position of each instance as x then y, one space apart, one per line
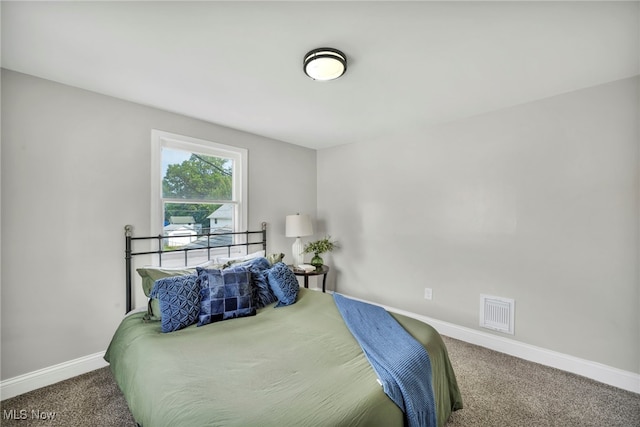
282 365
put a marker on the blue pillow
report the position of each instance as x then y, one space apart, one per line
258 262
179 300
261 291
224 294
283 283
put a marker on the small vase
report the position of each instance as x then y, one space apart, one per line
316 261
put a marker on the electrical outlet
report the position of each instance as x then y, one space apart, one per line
428 293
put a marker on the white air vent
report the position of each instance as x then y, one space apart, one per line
497 313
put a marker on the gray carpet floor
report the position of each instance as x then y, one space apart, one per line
497 390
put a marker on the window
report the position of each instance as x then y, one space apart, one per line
197 187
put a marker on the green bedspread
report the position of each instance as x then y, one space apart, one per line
296 365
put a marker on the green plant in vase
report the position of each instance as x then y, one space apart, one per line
319 247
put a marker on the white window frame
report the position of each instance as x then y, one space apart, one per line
161 139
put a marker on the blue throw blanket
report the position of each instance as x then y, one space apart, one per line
401 362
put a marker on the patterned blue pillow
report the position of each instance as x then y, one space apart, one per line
283 283
179 299
262 293
224 294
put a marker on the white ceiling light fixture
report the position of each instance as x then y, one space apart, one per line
325 63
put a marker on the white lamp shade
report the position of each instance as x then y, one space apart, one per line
298 226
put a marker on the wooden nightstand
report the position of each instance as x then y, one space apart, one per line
317 272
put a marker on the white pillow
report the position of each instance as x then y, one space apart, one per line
224 260
204 264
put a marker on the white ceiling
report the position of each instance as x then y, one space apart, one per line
239 64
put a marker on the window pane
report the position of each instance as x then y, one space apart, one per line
188 175
184 221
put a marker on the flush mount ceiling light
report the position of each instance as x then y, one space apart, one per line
325 63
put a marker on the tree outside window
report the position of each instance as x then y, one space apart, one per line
200 188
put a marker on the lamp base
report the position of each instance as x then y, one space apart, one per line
297 252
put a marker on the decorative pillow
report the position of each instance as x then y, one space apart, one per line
224 294
150 274
261 291
179 299
260 263
275 258
283 283
234 260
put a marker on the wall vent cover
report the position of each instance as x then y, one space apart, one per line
497 313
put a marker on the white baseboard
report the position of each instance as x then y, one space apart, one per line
602 373
596 371
53 374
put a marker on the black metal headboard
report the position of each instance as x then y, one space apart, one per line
206 242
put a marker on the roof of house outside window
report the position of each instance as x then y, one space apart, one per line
223 212
182 220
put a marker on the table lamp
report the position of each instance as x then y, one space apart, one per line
298 226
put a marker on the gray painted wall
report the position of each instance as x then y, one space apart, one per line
539 203
75 170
